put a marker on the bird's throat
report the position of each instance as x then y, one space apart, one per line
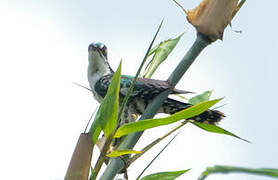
97 68
97 64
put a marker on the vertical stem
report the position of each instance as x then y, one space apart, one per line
117 164
200 43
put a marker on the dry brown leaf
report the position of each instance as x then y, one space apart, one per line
211 17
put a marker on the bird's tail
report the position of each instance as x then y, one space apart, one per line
172 106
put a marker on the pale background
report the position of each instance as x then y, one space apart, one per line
44 49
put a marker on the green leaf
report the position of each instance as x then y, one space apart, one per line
235 169
107 115
120 152
200 98
153 50
151 123
165 175
161 53
95 128
96 131
216 129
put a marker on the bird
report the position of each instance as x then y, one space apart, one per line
100 75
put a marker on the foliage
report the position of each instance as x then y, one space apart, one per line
151 123
108 115
120 152
216 129
161 52
234 169
108 121
165 175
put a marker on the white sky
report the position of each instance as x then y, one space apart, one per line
44 49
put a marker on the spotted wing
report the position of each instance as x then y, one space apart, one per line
144 88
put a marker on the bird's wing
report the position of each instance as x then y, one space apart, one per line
144 88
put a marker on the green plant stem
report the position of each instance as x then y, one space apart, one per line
201 42
98 165
102 156
117 164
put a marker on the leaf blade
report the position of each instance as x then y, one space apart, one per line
107 115
95 128
161 51
151 123
120 152
236 169
165 175
216 129
200 98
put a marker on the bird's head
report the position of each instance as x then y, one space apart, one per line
97 50
98 57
